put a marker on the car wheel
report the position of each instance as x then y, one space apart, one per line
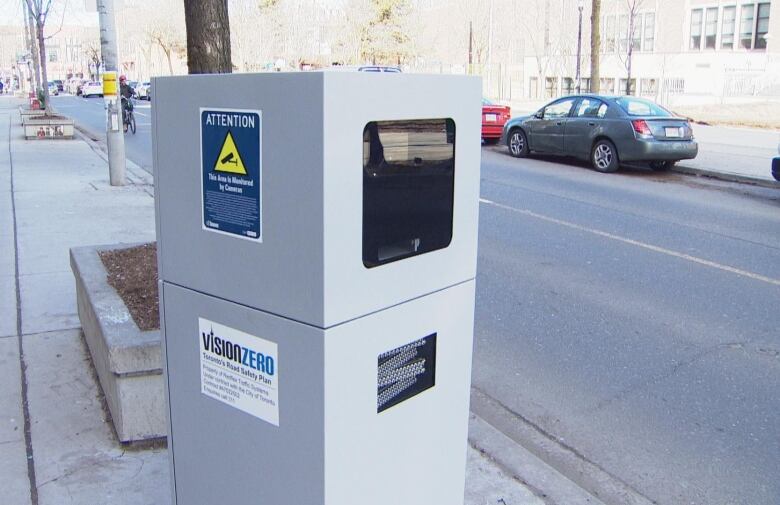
605 157
518 143
661 166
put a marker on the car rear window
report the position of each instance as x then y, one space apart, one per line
640 107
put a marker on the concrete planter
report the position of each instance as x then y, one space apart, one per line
28 114
41 127
128 361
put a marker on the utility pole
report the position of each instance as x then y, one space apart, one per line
595 46
114 134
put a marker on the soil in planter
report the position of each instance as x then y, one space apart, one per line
133 273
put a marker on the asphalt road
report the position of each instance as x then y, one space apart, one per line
633 319
628 319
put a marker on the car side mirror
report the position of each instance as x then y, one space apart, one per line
539 114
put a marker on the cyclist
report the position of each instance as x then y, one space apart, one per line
126 92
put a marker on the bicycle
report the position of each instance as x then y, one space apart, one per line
128 118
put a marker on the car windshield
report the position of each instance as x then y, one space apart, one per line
485 101
640 107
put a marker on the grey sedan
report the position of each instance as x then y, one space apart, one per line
606 130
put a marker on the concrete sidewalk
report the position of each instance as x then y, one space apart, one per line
57 446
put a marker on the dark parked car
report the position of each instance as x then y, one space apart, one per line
607 130
60 86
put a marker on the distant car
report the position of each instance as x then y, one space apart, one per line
494 117
80 86
133 85
776 166
607 130
53 89
144 91
60 84
92 88
72 84
379 68
364 68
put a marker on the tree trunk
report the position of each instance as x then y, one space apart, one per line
44 74
35 78
595 46
167 52
208 36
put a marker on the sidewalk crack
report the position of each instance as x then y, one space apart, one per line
22 362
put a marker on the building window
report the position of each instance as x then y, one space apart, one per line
609 40
551 87
649 87
747 20
711 28
649 32
636 34
585 85
623 33
607 86
696 20
631 91
728 27
762 26
568 86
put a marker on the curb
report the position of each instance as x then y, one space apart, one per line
140 174
552 487
725 176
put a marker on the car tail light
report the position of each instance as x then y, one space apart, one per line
642 128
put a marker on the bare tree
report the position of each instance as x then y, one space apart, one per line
39 9
208 36
164 30
35 75
595 46
632 7
92 50
534 19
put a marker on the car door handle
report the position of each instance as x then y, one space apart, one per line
559 123
591 124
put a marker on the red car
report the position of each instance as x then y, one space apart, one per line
493 118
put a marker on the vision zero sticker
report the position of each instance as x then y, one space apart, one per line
240 370
231 172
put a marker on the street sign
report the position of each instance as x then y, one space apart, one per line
231 172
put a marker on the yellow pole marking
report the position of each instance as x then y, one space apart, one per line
644 245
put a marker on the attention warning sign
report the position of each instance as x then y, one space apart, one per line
231 172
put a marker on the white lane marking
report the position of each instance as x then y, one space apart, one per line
644 245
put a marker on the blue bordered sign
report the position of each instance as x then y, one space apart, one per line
231 172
